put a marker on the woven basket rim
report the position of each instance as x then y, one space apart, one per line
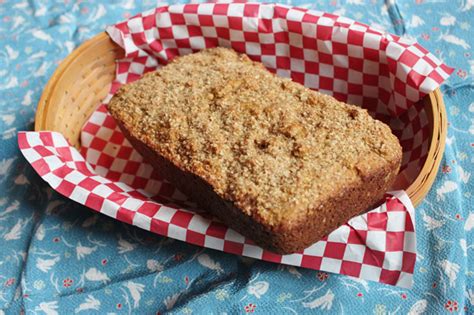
417 190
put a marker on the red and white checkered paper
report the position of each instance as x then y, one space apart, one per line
332 54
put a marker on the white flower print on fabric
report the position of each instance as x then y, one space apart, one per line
418 308
136 289
41 274
48 308
154 265
324 302
46 264
451 270
207 262
125 246
432 223
447 187
82 251
171 300
15 231
258 288
90 303
5 166
38 284
95 275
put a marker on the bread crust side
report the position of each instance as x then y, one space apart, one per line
287 237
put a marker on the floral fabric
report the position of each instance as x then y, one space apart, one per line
59 257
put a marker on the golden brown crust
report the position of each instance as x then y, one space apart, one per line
279 163
283 239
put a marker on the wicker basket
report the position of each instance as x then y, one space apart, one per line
83 79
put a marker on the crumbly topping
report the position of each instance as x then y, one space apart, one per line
273 147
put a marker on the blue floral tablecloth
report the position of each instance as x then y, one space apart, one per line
59 257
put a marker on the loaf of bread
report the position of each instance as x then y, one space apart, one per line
280 163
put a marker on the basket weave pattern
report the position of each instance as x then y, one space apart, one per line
83 80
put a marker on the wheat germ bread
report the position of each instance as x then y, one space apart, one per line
279 163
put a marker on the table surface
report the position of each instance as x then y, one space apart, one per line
57 256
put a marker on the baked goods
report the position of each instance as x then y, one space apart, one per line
279 163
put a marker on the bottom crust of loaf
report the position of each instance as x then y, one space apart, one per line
287 238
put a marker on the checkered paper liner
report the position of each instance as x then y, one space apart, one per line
333 54
379 245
